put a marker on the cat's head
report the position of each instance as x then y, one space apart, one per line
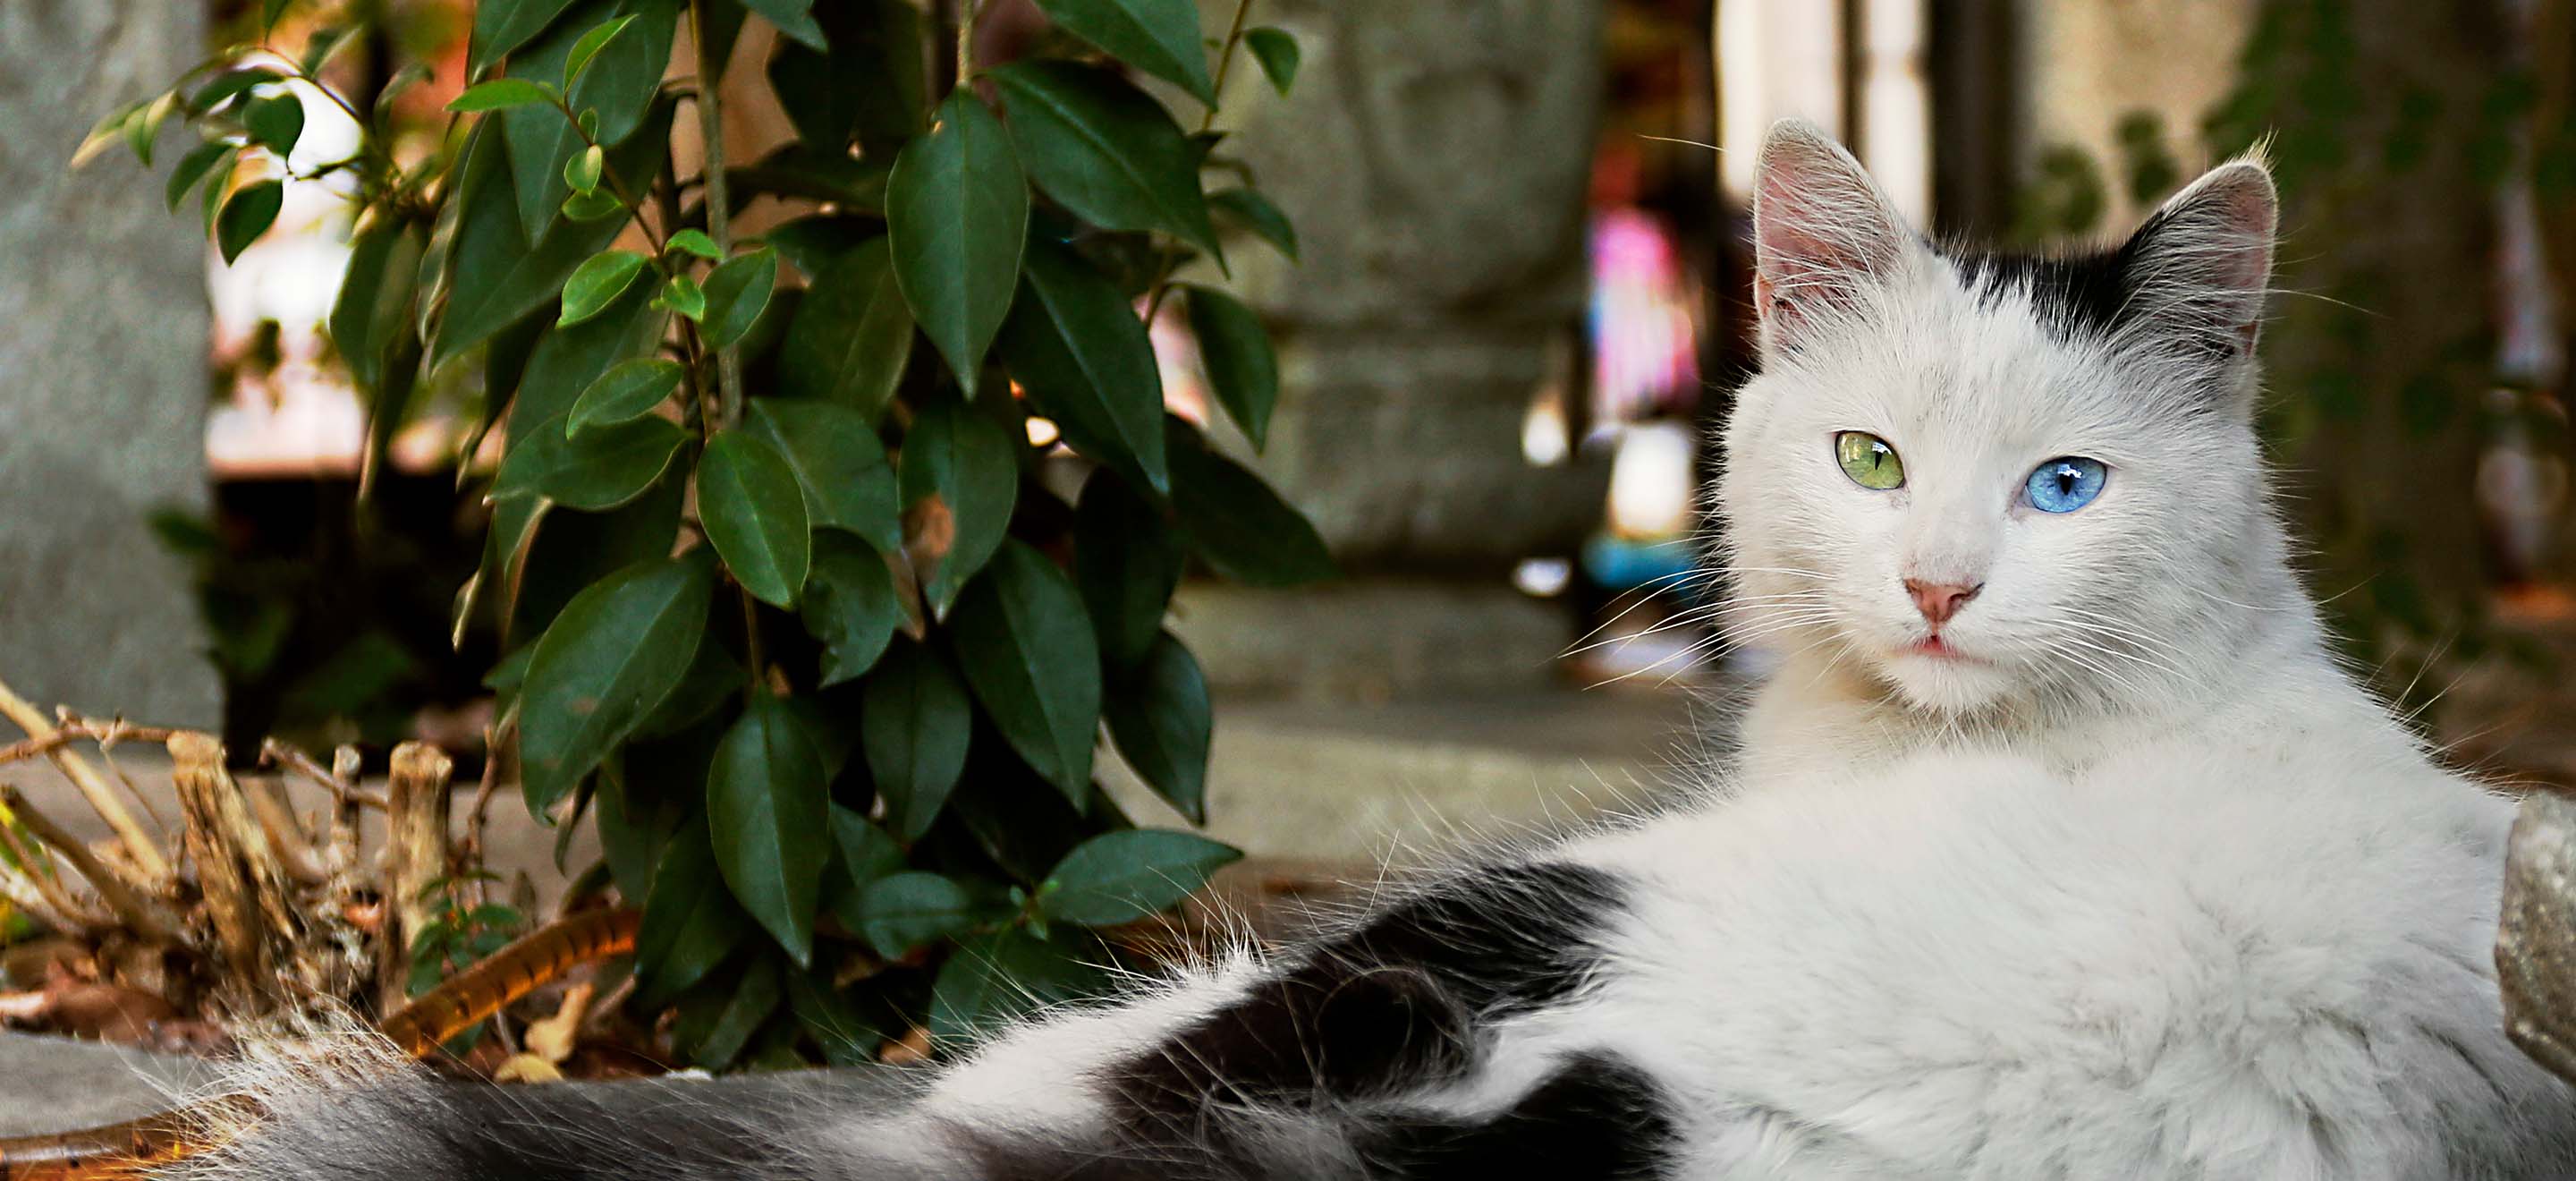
1980 479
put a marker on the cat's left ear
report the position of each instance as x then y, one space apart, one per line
2197 270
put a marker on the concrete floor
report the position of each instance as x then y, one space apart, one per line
51 1084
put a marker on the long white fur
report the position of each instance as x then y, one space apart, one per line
2147 887
2138 885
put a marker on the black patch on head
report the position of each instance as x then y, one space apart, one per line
1597 1116
2078 295
1393 1001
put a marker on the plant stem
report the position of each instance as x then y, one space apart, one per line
966 13
1207 122
608 176
1225 61
719 202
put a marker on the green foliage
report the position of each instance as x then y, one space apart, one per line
794 623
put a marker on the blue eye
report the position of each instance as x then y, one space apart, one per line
2064 484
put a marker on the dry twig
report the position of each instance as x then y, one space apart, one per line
138 913
139 845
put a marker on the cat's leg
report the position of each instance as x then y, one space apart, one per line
1309 1069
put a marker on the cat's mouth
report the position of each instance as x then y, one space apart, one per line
1933 647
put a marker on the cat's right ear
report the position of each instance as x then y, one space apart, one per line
1822 231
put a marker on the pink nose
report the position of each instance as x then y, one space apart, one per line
1938 601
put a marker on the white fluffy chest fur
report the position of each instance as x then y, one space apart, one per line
2174 963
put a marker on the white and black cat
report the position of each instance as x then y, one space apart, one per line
2058 845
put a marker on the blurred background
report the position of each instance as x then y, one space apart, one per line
1519 314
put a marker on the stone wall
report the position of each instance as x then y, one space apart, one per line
103 381
1434 156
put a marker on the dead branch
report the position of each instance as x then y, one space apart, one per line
415 856
27 892
139 914
286 833
344 810
494 734
138 844
76 729
273 753
238 873
41 876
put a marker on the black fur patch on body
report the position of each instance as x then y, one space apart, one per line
1394 1001
1596 1117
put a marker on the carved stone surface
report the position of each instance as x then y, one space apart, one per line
2536 935
102 370
1434 157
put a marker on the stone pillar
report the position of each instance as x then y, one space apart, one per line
1434 156
102 370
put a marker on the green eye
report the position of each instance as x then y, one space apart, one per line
1869 461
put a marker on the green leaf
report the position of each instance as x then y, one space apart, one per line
838 462
820 94
1075 344
840 1030
793 17
625 393
812 243
600 469
714 678
850 606
1126 562
852 336
218 187
914 723
691 923
375 303
866 852
683 295
229 85
1239 527
593 205
695 241
1160 37
1277 52
614 653
566 361
538 558
582 171
192 168
619 86
755 516
957 215
736 292
269 11
1258 215
903 911
649 791
1105 150
1160 718
1028 652
1120 877
768 810
1241 368
503 25
598 282
275 122
991 981
971 467
247 214
714 1027
496 274
500 94
587 48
